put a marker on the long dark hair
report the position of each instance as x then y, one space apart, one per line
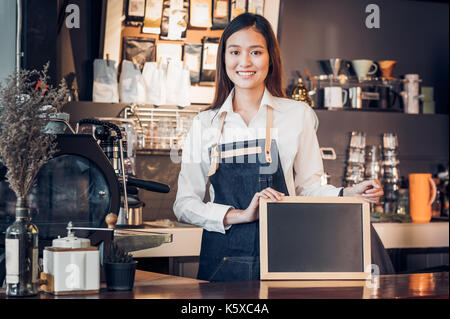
274 80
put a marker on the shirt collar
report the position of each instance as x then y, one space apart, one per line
267 99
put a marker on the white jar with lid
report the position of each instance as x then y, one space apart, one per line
71 265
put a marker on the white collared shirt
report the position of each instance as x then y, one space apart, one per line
294 132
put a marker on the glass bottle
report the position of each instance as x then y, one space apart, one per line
21 243
391 193
403 201
300 93
444 199
436 205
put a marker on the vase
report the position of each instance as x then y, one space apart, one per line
120 276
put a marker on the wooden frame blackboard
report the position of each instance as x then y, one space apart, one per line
314 238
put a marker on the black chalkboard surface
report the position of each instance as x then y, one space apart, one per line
314 238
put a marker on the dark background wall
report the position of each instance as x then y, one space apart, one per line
43 23
86 44
415 33
39 30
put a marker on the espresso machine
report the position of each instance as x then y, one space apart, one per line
113 140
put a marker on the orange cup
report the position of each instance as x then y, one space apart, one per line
422 192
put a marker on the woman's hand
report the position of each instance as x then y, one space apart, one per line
370 190
237 216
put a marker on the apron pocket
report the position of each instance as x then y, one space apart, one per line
237 268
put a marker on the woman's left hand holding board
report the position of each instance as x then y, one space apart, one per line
238 216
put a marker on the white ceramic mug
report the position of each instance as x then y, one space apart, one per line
363 68
335 97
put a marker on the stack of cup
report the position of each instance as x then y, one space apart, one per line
390 172
356 159
373 162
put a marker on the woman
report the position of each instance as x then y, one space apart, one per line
251 142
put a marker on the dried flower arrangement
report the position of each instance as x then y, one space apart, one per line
26 102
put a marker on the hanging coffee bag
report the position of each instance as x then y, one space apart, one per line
135 12
155 80
168 52
153 14
220 15
193 59
256 6
184 88
105 87
131 84
209 54
138 50
200 13
173 80
237 7
175 18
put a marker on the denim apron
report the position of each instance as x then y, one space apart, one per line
238 171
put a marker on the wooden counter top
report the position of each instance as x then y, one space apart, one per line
149 285
413 235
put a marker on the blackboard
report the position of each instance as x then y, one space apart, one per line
314 238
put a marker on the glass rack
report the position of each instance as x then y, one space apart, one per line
161 129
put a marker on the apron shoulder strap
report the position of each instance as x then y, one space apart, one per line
269 122
215 147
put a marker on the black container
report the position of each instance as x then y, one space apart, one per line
120 276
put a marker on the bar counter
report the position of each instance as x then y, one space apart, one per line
150 285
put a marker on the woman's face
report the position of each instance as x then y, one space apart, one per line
247 59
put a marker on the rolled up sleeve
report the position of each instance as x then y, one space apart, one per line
308 166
